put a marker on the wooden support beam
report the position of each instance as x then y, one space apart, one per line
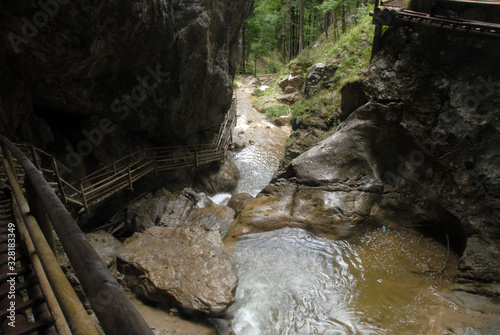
84 197
35 157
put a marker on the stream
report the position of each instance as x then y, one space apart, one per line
293 282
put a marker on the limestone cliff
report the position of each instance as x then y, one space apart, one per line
419 150
119 74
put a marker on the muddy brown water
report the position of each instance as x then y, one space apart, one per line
292 282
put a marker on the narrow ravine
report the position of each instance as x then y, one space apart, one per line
293 282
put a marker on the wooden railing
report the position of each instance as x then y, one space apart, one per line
123 173
42 211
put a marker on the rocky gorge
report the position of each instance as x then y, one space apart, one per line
91 81
417 149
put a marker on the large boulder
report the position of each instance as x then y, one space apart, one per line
106 245
147 211
193 209
222 180
185 267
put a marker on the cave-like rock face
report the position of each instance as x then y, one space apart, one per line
118 74
419 151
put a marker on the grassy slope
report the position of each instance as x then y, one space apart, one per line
317 117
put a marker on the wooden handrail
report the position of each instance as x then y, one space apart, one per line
110 178
66 296
116 313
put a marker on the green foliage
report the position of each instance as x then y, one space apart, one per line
273 27
352 51
258 92
324 104
274 112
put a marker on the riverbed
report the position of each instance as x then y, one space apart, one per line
386 282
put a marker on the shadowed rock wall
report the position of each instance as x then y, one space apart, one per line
118 74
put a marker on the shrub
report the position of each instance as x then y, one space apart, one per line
258 92
274 112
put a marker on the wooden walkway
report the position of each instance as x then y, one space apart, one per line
394 13
122 174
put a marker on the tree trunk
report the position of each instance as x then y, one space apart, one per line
301 26
244 45
343 19
327 23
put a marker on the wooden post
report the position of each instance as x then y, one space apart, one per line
130 179
59 182
116 313
84 197
35 157
196 157
72 307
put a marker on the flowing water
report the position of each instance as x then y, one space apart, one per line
292 282
263 146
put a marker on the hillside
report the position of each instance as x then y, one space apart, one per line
316 115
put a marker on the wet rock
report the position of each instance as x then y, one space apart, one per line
239 200
185 267
106 246
281 121
476 261
223 180
238 146
193 209
181 211
479 315
338 212
146 212
218 217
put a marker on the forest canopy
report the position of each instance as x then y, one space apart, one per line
283 28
